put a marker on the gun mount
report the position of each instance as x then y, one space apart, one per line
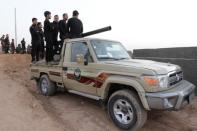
108 28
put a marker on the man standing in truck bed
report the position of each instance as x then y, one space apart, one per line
55 25
75 26
48 33
63 27
41 38
34 41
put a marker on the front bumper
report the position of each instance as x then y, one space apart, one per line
172 99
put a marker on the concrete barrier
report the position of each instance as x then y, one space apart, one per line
186 57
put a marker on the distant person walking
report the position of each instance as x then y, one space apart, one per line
3 43
34 40
28 49
23 46
7 43
48 33
75 26
12 47
19 49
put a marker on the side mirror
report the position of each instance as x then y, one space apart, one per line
130 53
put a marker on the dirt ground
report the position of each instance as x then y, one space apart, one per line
22 108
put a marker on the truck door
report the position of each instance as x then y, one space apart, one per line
79 77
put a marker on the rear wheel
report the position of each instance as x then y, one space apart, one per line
47 87
126 111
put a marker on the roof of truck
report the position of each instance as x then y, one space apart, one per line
86 39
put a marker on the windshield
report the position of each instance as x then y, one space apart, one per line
108 50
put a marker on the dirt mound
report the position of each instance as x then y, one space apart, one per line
23 108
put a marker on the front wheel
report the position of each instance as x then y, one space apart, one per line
126 111
47 87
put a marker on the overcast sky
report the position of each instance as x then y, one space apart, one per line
135 23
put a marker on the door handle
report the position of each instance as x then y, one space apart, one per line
64 68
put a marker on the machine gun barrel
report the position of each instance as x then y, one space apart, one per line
108 28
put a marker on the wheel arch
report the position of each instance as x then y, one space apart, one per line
51 86
113 85
43 73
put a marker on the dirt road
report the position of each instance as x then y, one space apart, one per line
22 108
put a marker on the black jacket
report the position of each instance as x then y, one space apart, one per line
55 30
75 27
48 30
34 33
41 36
63 29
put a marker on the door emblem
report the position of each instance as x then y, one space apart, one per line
77 74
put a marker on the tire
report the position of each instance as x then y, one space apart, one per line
46 86
126 111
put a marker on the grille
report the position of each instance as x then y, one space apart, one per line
175 78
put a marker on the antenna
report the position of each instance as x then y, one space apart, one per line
15 27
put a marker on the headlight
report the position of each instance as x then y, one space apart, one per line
156 81
163 81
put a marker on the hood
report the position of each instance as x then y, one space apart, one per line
158 67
